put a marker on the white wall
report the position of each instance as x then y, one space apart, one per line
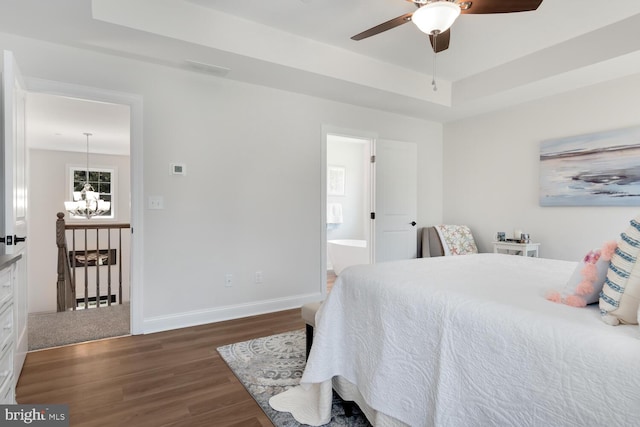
491 169
351 156
48 188
354 157
251 197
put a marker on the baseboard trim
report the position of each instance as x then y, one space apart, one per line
219 314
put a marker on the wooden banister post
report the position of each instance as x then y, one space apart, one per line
65 288
60 242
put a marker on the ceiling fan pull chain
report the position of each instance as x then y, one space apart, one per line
435 49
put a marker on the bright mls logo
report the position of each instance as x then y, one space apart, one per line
35 415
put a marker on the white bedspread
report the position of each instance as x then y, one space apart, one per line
469 341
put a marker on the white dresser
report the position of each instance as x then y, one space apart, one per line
7 328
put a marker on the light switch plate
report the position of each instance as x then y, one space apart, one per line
156 202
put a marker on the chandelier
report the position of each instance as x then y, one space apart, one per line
87 203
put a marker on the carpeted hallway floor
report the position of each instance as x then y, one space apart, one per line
55 329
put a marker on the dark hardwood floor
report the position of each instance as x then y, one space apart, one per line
174 378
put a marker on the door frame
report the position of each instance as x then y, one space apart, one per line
350 133
134 101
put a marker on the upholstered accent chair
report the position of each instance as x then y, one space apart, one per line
446 240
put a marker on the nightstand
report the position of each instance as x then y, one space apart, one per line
523 249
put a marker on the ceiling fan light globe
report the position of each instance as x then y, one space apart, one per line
436 17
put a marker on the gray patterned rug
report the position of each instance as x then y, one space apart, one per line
270 365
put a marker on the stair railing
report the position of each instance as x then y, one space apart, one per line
66 290
69 267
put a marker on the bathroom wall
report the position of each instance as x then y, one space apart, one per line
353 155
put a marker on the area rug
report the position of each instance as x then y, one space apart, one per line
270 365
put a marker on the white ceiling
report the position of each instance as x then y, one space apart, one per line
59 123
304 46
478 42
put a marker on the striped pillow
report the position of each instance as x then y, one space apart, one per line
620 296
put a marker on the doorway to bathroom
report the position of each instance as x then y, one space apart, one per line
369 201
349 203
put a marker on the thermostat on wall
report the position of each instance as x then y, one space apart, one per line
178 169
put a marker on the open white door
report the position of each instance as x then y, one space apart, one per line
395 201
15 196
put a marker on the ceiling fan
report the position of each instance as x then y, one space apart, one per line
435 17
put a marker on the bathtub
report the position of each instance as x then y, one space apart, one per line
344 253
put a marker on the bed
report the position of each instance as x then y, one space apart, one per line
467 341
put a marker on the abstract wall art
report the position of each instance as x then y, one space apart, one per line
335 180
597 169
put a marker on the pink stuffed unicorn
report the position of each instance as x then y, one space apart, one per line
585 284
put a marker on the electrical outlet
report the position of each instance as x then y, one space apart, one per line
228 280
258 277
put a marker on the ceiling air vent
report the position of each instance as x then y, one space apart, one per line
214 70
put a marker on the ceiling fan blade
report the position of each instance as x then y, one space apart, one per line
442 41
498 6
392 23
